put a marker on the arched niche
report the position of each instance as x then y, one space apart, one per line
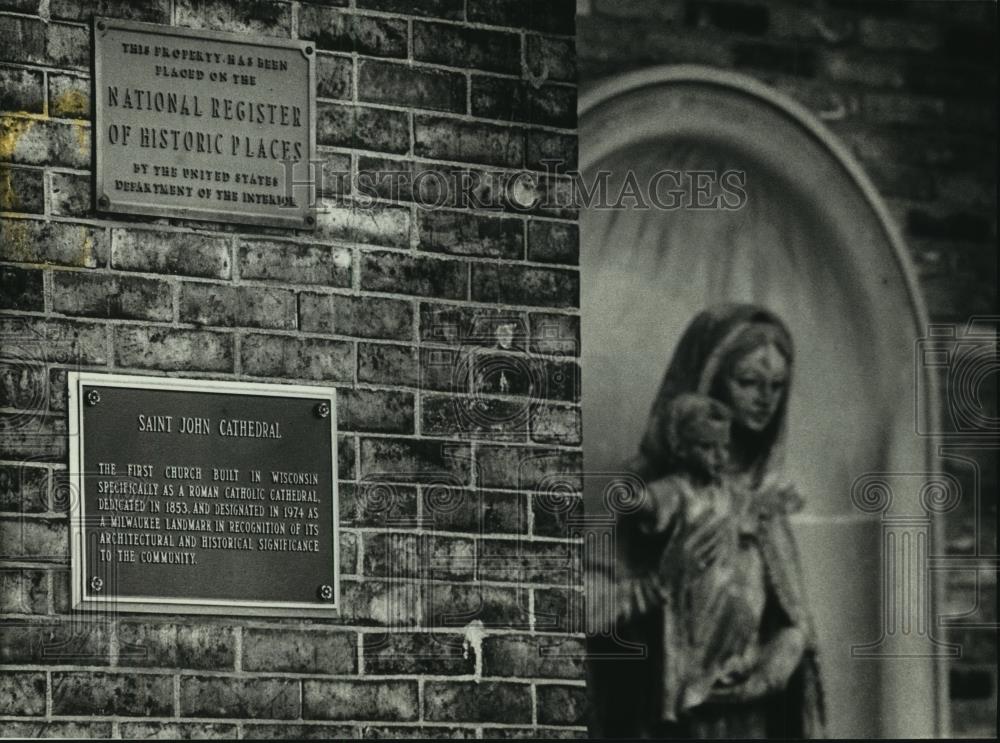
815 244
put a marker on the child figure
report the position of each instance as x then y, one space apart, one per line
711 621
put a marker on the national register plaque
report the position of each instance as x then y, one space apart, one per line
203 125
202 496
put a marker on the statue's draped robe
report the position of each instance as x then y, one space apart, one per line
636 697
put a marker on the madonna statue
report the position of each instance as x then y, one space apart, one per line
734 362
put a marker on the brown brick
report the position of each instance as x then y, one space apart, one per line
407 460
24 489
22 693
23 386
362 127
246 306
220 696
533 657
477 701
259 17
414 87
345 32
298 732
519 561
387 364
408 274
44 142
417 653
555 424
21 91
467 141
527 468
154 11
450 9
177 730
25 729
69 97
394 556
555 17
171 252
474 417
455 605
375 411
90 693
553 242
21 190
551 152
555 334
517 100
345 457
34 539
375 602
359 700
313 651
31 41
473 326
532 377
558 610
334 76
294 263
446 44
378 504
463 233
524 285
368 317
374 224
476 511
70 195
168 645
29 241
53 643
413 732
173 349
561 705
297 358
107 295
443 369
29 436
24 591
55 341
21 289
550 58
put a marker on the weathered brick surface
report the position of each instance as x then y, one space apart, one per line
385 299
359 700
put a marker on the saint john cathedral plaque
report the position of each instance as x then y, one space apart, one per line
201 496
203 125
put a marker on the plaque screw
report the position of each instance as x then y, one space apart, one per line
326 592
323 410
101 25
310 220
104 202
96 584
309 50
93 397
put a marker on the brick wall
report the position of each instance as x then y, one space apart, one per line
911 88
458 569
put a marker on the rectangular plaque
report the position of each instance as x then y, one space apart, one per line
203 125
195 496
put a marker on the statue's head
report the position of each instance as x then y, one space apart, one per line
751 375
698 433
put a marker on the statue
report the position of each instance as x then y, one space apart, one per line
708 574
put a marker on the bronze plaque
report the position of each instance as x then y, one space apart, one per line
202 496
203 125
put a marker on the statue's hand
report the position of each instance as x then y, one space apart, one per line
778 660
776 496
